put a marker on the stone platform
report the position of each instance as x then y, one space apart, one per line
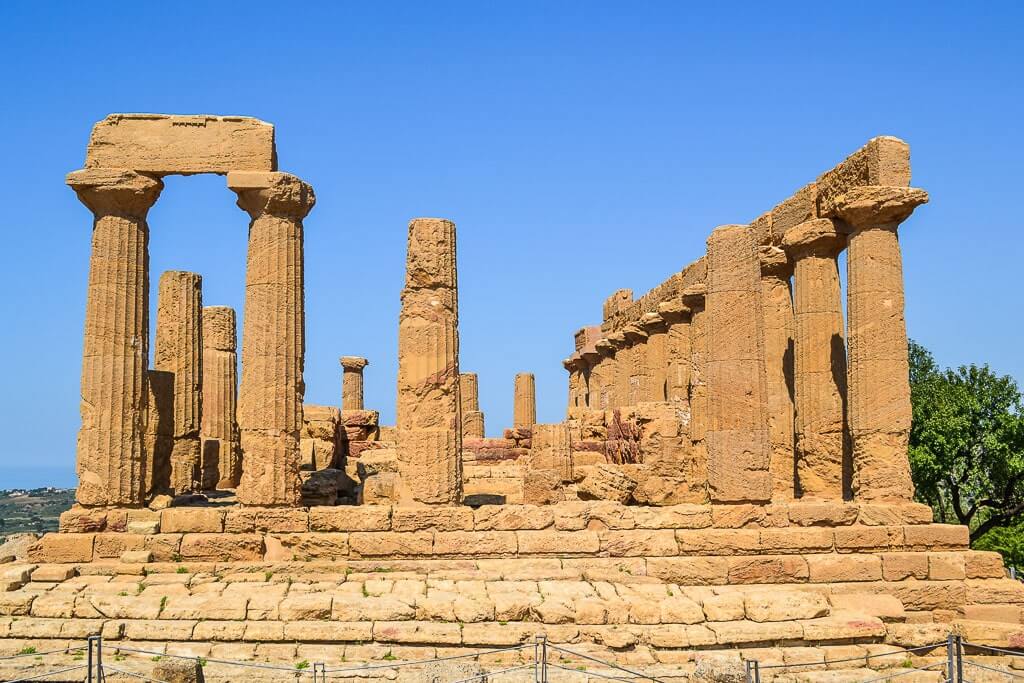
635 585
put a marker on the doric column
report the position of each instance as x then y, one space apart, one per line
819 359
110 457
622 364
655 357
694 299
220 397
879 388
574 366
638 379
472 416
591 374
524 401
352 382
777 304
429 419
179 350
737 410
679 361
273 336
603 374
159 432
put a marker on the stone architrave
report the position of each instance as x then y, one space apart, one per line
694 299
429 421
179 350
110 458
472 417
777 304
352 382
655 357
737 410
273 336
524 401
819 360
220 399
879 389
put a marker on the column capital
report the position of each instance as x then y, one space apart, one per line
590 354
353 363
817 237
634 333
604 347
775 262
271 192
115 191
874 206
694 295
652 322
617 340
673 311
573 363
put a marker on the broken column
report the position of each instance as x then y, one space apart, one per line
110 450
879 389
429 422
221 460
524 404
777 305
179 350
273 336
737 411
472 417
352 382
819 359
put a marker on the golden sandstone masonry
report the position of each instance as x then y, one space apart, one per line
730 480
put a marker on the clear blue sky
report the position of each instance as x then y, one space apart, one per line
579 146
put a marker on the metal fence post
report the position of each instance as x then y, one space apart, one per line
757 671
950 658
319 672
746 671
959 659
544 659
88 660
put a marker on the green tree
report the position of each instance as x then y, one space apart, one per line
967 446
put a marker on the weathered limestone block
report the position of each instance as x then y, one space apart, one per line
575 366
524 404
220 398
619 300
738 461
879 388
273 337
607 482
472 417
429 420
352 382
777 305
656 357
552 450
622 367
110 453
638 375
320 441
162 144
694 298
820 360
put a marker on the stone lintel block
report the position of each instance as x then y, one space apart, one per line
249 519
874 514
483 543
767 569
718 541
437 519
164 144
512 517
638 543
984 565
417 632
192 519
860 538
350 518
62 548
391 544
883 160
936 537
833 568
219 547
796 540
546 542
823 513
82 520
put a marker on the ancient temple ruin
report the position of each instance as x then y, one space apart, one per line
731 472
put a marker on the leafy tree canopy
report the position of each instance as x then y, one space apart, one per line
967 448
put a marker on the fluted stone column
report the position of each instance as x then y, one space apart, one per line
524 400
179 350
879 388
638 379
591 375
678 355
472 416
655 357
604 373
694 299
352 382
820 359
110 459
737 410
220 398
429 419
574 366
273 336
159 432
622 364
777 304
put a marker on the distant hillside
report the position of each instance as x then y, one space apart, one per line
32 509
